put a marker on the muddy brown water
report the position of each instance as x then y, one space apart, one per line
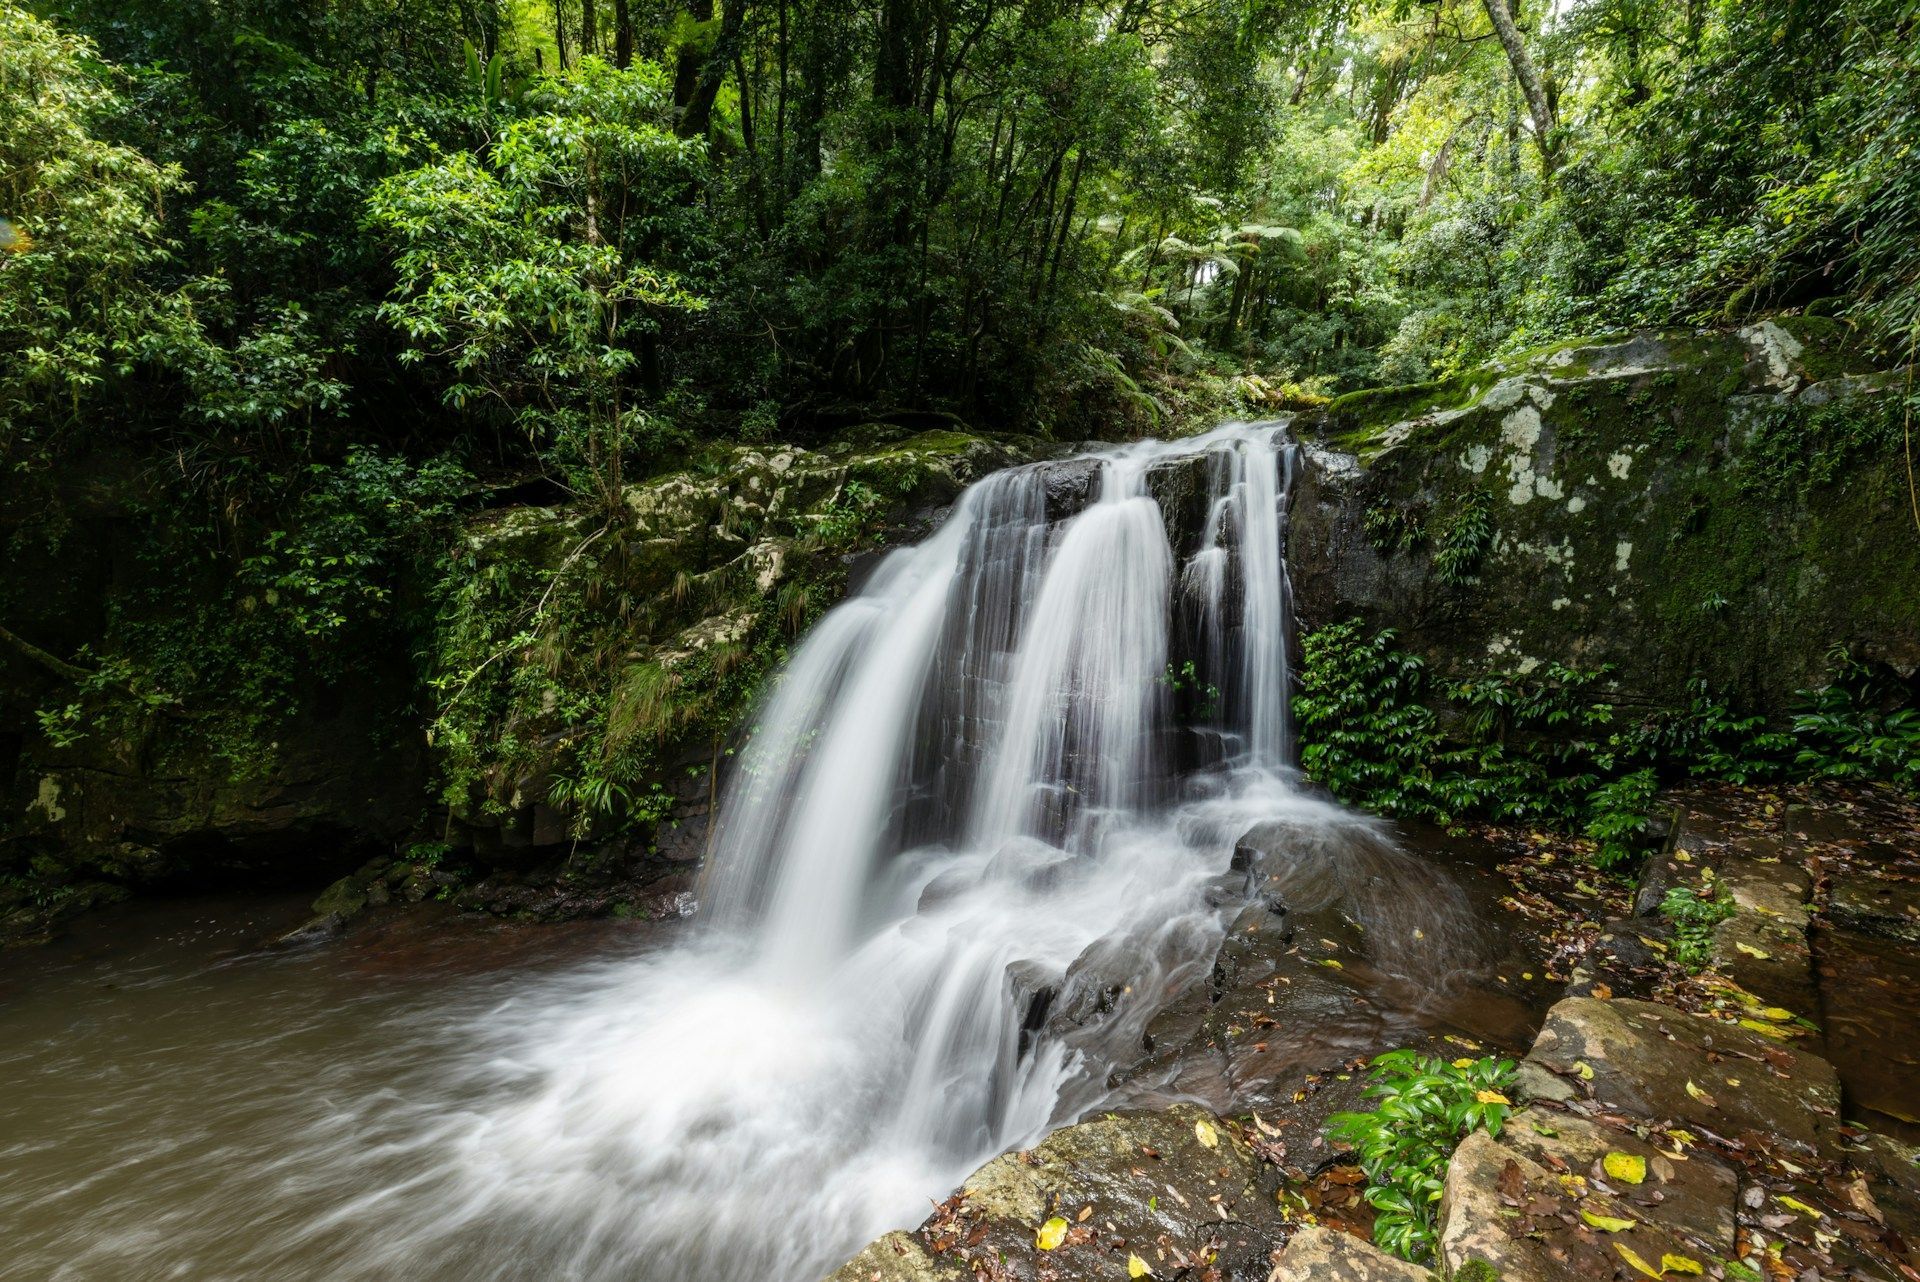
172 1091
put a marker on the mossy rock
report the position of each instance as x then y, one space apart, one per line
1718 506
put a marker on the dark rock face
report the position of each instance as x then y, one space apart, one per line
1681 506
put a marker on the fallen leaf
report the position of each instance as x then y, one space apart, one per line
1671 1263
1086 1213
1491 1097
1583 1070
1628 1254
1795 1204
1625 1167
1767 1030
1139 1268
1751 951
1204 1132
1051 1234
1607 1223
1701 1095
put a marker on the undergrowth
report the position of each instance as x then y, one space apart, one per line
1426 1106
1550 748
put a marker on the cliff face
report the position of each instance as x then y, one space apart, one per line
1726 507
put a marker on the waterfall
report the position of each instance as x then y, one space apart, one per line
974 842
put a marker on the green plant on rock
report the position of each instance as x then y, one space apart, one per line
1425 1107
1693 921
1463 541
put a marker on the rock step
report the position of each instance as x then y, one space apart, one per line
1665 1066
1324 1255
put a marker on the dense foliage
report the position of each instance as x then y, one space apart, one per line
287 284
1549 748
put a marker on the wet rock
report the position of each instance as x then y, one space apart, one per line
1323 1255
899 1257
1175 1188
1531 1223
1693 1197
1768 958
1666 1065
1698 840
1874 905
1763 875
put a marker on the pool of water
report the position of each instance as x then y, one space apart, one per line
176 1099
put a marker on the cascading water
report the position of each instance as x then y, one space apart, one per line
964 792
976 842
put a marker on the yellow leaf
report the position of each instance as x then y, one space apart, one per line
1700 1095
1204 1132
1671 1263
1795 1204
1491 1097
1051 1234
1328 961
1139 1268
1607 1223
1583 1070
1768 1030
1625 1167
1628 1254
1463 1062
1778 1014
1751 951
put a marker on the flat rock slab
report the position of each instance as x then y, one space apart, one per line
1769 958
1763 875
1178 1188
1667 1066
1875 905
1322 1255
1692 1195
1535 1224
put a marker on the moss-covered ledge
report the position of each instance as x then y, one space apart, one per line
1726 505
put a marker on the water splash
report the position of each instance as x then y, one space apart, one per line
957 869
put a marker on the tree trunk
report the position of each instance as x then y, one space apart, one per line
696 113
1539 102
589 29
622 34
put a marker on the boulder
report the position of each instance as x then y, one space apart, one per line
1693 1196
1323 1255
1668 1066
1176 1188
